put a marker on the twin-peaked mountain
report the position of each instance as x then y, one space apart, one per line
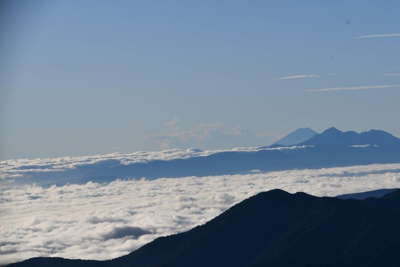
276 229
333 136
330 148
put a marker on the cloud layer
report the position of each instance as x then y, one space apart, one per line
101 221
19 167
63 170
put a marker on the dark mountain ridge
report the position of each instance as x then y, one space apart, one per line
277 229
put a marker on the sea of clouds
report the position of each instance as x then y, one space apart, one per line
103 221
27 168
19 168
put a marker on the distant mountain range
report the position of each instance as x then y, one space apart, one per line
331 148
335 137
276 229
296 137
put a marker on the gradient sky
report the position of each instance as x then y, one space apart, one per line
85 77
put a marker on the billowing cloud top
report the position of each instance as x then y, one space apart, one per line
102 221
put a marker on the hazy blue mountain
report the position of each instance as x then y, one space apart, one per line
277 229
331 148
333 136
298 136
369 194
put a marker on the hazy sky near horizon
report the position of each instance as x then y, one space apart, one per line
85 77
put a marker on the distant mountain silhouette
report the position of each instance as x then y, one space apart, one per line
333 136
331 148
298 136
369 194
276 229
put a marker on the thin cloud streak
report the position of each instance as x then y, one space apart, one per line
299 76
354 88
383 35
392 74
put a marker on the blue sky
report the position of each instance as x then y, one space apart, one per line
85 77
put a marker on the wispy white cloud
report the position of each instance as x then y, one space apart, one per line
299 76
173 123
392 74
355 88
382 35
100 221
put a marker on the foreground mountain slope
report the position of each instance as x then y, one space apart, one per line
277 229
